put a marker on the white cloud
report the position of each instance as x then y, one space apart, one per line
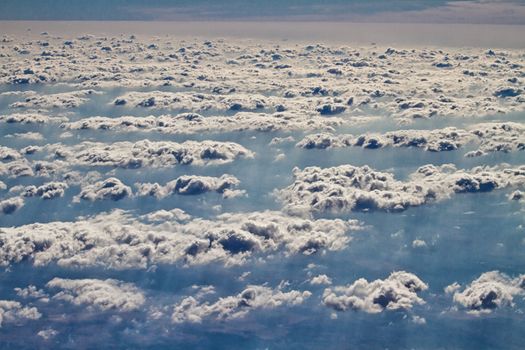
488 292
148 153
398 291
321 279
104 295
59 100
118 240
491 137
195 310
189 185
109 189
10 205
351 188
13 311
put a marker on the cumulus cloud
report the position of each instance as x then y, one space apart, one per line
104 295
491 137
60 100
431 140
109 189
148 153
193 101
167 215
38 168
321 279
16 168
48 190
190 185
31 292
193 123
118 240
47 334
228 76
488 292
34 136
13 311
253 297
10 205
397 292
9 154
351 188
517 195
31 118
498 137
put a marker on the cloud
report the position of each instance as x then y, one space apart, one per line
397 292
10 205
253 297
192 101
109 189
13 311
320 279
190 185
491 137
192 123
104 295
117 240
167 215
31 118
490 291
48 190
9 154
61 100
350 188
148 153
34 136
47 334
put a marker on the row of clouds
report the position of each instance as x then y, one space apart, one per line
491 137
114 189
63 100
117 240
308 80
338 189
400 291
193 123
195 309
60 158
355 188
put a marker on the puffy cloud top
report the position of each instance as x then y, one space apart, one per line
120 241
352 188
398 291
254 297
105 295
489 291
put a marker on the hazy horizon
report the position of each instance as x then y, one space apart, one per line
380 11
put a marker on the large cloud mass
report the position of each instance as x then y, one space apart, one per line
353 188
105 295
120 241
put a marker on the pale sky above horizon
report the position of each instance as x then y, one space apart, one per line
398 11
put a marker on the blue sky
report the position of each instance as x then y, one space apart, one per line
437 11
